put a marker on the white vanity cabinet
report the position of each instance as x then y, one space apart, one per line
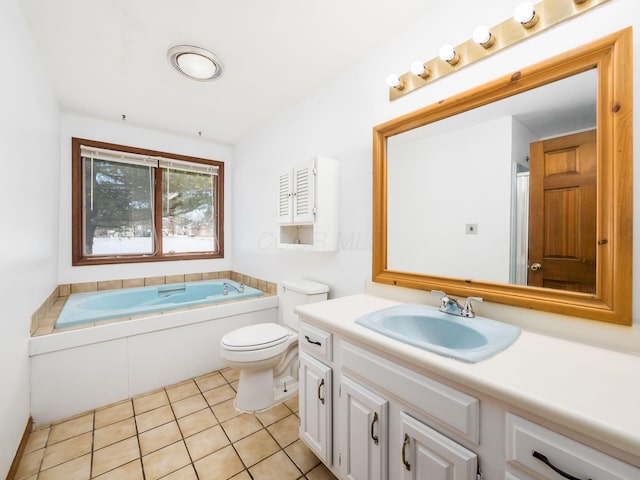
315 397
308 206
364 432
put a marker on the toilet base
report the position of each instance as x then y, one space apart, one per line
256 390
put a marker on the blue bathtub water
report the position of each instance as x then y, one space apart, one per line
95 306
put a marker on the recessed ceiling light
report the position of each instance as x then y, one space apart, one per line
195 63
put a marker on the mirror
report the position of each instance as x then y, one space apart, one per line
517 191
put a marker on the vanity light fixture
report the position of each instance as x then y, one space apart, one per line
448 54
195 63
394 81
483 37
488 40
526 14
419 69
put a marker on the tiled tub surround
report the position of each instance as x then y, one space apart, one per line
44 318
185 431
79 369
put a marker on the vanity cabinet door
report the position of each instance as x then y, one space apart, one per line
429 455
364 432
315 394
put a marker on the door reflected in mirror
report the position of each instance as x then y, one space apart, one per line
501 193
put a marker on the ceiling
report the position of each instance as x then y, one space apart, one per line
106 58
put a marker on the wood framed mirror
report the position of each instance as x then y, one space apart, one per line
449 215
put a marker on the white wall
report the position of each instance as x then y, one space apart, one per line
337 121
440 183
123 133
29 119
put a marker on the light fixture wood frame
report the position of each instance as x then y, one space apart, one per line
612 302
507 33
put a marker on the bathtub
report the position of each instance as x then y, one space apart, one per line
76 370
91 307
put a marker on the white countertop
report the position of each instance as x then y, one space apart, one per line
591 390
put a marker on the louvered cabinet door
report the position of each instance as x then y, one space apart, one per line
285 198
303 194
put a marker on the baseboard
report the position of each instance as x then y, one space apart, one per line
23 444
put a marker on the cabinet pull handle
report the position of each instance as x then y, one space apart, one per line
319 388
406 442
312 341
546 461
373 424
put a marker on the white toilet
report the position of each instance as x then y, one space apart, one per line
266 353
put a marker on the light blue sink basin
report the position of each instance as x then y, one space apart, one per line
426 327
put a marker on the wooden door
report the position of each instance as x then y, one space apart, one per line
562 219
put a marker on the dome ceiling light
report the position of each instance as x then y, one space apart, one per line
195 63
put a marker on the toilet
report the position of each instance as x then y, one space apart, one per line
267 353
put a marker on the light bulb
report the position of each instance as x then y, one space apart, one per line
482 36
394 81
419 69
448 54
526 15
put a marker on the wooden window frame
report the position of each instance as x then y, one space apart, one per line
78 256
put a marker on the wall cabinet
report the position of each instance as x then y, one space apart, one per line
308 206
363 432
315 397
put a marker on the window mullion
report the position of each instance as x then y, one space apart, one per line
157 212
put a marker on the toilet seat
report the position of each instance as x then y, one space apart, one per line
255 337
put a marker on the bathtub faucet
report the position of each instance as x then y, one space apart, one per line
238 288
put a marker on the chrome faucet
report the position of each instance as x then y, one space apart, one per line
239 288
451 306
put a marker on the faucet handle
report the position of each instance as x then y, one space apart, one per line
467 310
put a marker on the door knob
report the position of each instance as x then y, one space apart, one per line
535 267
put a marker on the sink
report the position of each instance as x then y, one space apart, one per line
426 327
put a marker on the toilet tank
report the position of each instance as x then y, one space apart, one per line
292 293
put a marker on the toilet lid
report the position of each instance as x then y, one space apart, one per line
253 337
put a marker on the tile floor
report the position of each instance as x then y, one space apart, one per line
186 431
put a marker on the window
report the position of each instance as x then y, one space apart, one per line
136 205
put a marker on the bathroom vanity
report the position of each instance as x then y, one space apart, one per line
375 408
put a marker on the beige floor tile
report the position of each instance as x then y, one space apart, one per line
114 456
219 394
274 414
76 469
197 422
159 437
150 402
70 428
304 458
67 450
182 390
285 431
244 475
154 418
234 385
225 410
208 441
129 471
165 461
256 447
219 465
276 467
185 473
37 440
320 473
114 433
113 414
213 380
230 374
30 463
292 403
189 405
241 426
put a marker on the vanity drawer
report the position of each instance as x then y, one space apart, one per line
316 341
446 406
538 450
